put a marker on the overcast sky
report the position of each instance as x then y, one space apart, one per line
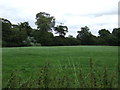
96 14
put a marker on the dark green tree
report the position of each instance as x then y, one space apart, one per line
61 30
17 36
43 38
85 37
116 33
14 35
70 40
24 26
59 41
45 23
23 35
103 33
6 31
104 36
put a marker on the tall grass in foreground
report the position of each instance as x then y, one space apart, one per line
66 76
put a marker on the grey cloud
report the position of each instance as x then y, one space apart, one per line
93 14
106 13
16 15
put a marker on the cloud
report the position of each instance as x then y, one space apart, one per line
96 14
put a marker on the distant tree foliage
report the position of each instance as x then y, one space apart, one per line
21 34
116 34
25 27
44 22
61 30
85 36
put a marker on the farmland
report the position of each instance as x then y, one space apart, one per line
28 60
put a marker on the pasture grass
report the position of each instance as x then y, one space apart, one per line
68 66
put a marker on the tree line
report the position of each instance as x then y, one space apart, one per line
22 34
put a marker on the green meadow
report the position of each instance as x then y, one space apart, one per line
62 61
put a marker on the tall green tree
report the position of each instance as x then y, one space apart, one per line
6 31
61 30
116 33
24 26
104 36
85 36
104 32
44 22
17 36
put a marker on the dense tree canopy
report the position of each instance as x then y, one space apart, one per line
61 30
85 36
44 21
25 27
104 32
116 34
22 34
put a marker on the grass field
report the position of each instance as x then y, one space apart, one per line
29 60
